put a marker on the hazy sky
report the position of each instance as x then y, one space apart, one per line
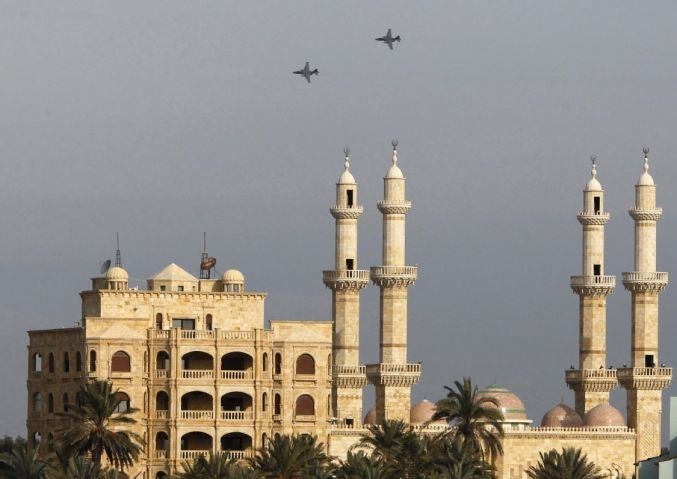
164 119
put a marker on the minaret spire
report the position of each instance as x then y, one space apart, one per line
346 282
644 381
118 256
592 381
393 376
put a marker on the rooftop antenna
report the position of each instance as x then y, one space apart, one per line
118 257
207 262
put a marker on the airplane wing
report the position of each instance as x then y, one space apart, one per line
390 33
307 78
390 44
307 67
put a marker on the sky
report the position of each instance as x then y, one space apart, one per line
163 119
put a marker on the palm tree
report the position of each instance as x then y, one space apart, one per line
216 466
93 427
476 418
291 457
79 467
571 463
361 466
458 459
22 463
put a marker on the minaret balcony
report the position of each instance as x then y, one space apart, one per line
645 281
594 380
386 374
645 214
354 377
346 279
346 212
652 379
595 285
592 218
394 275
398 208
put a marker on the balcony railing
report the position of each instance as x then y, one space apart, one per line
237 454
642 276
628 372
594 280
394 271
579 374
196 334
194 454
304 417
197 414
277 417
161 373
236 374
394 368
161 414
197 374
160 334
277 377
161 454
244 335
237 415
354 370
348 274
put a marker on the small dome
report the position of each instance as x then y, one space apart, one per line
509 403
646 179
423 412
347 177
233 276
394 171
593 184
604 415
561 416
117 273
370 418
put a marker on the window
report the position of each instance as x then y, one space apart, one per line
78 361
92 361
278 363
305 364
208 322
120 363
158 321
183 323
123 404
66 363
265 362
64 402
50 363
305 406
50 403
350 198
278 405
597 269
37 403
598 206
350 264
162 401
37 363
162 361
163 287
264 402
648 361
180 288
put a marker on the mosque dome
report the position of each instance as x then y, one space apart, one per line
604 415
370 418
233 276
509 403
116 273
561 416
423 412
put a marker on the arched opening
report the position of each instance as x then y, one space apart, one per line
197 365
158 321
329 364
78 361
197 405
305 405
305 364
64 402
120 362
264 439
236 445
162 405
195 444
145 361
50 442
236 366
124 404
264 402
264 362
161 475
37 363
162 365
278 363
161 445
66 362
92 361
277 407
37 403
50 363
236 406
50 403
208 322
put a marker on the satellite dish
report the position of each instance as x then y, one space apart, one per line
105 266
207 263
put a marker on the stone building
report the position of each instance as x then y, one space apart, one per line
206 373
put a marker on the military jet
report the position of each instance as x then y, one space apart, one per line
389 39
306 72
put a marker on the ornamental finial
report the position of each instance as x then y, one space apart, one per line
593 159
645 150
394 143
346 152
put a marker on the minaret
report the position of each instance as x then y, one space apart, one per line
592 381
644 381
345 282
393 376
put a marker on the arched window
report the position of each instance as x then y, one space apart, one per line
78 361
37 362
162 441
50 442
329 364
161 475
264 439
162 401
50 403
264 362
66 362
278 405
123 404
92 361
120 363
50 363
162 361
208 322
278 363
64 402
158 321
305 406
305 364
145 361
264 402
37 403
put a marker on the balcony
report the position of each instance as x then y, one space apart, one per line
197 374
238 335
161 454
161 414
236 374
393 275
592 218
645 281
595 285
161 374
652 379
198 415
349 376
591 379
237 415
190 455
196 334
346 279
237 454
304 418
399 375
346 212
393 368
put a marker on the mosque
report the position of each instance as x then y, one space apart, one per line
196 358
